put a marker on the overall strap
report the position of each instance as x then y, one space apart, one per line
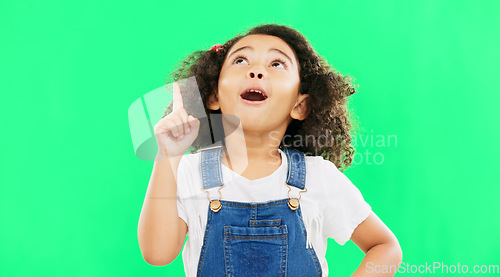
210 165
296 175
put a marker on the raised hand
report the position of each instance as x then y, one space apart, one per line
176 131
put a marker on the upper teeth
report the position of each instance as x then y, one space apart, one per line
254 90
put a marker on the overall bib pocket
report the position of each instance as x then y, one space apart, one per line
256 251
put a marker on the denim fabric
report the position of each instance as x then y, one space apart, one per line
255 239
210 164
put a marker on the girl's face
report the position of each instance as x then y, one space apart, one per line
268 64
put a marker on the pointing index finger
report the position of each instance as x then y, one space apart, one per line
177 97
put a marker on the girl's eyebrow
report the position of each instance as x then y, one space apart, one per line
250 47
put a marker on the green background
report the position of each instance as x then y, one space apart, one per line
71 188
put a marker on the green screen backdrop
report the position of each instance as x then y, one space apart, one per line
71 187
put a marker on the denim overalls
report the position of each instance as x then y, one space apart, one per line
255 239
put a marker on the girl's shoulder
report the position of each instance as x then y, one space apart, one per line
325 175
321 166
188 174
191 157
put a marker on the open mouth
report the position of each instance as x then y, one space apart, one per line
254 95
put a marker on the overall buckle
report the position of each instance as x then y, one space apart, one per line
293 203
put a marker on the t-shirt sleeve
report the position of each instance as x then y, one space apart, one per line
181 210
182 183
344 208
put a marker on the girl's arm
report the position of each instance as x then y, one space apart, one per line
161 231
383 253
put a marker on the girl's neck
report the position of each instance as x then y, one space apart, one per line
245 150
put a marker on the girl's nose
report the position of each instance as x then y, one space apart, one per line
252 75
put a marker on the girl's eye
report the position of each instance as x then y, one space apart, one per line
276 61
240 57
280 61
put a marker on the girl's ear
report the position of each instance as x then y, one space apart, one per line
301 108
213 102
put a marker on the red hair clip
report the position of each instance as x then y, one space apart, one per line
216 47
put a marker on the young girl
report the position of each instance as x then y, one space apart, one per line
262 199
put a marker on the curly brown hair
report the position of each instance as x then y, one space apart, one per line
327 129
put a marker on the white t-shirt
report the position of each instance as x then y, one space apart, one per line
332 207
